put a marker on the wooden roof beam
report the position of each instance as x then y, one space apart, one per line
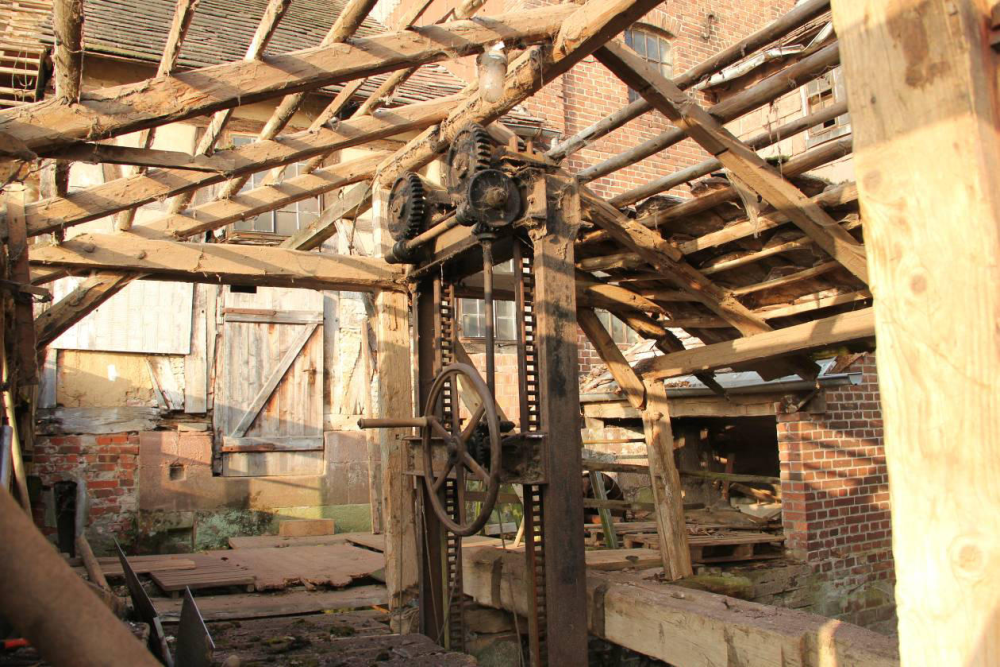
800 164
101 200
741 160
346 24
219 263
147 157
762 140
828 332
587 28
808 68
793 20
46 126
344 97
268 23
665 258
183 15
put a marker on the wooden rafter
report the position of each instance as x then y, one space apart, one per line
146 157
347 23
794 19
101 200
121 109
768 90
220 263
268 23
835 330
183 15
526 75
665 258
741 160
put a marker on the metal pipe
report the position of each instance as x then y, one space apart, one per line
51 606
449 222
389 422
490 316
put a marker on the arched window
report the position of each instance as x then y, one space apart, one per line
653 48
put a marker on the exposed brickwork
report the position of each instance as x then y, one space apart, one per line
835 496
108 465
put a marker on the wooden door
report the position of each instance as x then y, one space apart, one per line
269 387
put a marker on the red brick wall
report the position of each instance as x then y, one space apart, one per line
108 464
835 494
589 92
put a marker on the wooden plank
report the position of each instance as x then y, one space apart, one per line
334 565
264 393
147 157
688 628
196 361
740 159
270 541
162 372
112 111
927 153
206 575
297 443
96 421
393 365
622 559
112 567
290 603
88 295
305 527
835 330
213 262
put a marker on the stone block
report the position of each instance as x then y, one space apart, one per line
194 448
306 527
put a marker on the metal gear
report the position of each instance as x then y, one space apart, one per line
470 152
407 207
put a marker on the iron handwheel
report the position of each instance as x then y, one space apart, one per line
459 457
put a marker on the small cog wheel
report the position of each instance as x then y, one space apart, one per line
470 152
407 207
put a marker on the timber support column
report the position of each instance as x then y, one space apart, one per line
927 154
395 399
555 301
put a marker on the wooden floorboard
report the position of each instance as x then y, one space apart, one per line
259 605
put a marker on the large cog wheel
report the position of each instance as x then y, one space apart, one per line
407 207
470 153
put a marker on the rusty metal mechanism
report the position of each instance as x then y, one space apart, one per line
466 449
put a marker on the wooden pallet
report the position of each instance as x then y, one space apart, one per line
218 574
719 548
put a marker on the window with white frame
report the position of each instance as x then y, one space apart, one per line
286 220
472 313
654 48
822 93
620 332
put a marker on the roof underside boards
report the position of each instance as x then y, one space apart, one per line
222 29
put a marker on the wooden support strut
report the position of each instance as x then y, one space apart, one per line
796 18
118 110
741 160
652 403
221 263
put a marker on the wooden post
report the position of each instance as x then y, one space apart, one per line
927 146
650 399
67 23
394 369
555 305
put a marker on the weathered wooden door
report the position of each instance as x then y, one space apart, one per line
269 383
